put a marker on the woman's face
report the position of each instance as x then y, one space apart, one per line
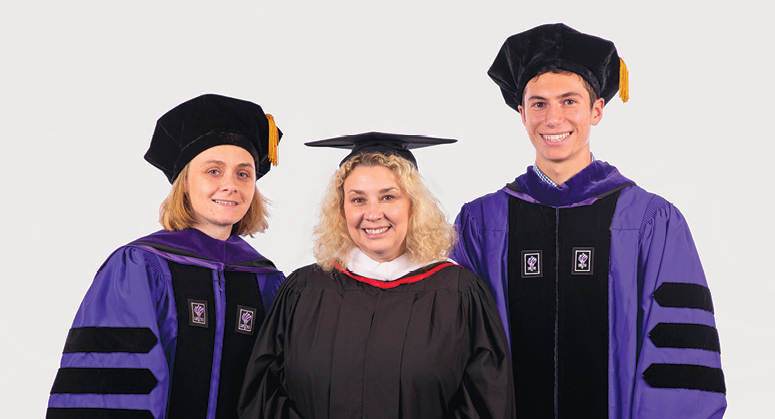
376 209
220 185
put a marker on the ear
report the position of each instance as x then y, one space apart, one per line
522 114
597 111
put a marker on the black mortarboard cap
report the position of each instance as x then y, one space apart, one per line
558 46
208 121
380 142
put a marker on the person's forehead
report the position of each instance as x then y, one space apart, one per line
566 82
565 76
223 153
372 171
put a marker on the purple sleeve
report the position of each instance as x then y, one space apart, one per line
116 355
467 251
678 368
269 284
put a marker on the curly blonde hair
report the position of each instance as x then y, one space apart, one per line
429 236
176 212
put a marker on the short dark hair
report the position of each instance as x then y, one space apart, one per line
555 70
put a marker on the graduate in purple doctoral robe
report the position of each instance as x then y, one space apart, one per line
167 326
598 282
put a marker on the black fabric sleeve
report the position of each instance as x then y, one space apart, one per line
488 386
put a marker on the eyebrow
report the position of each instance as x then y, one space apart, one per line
222 163
562 96
386 190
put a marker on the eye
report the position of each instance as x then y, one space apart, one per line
213 171
538 104
570 101
246 175
357 200
388 198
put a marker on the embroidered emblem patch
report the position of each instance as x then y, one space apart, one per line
245 319
532 264
583 261
197 313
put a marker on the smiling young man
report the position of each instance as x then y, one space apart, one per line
598 282
558 114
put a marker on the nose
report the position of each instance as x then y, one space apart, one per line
553 115
373 211
229 184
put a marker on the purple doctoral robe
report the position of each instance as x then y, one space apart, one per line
165 330
601 291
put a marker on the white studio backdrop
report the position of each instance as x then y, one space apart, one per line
83 82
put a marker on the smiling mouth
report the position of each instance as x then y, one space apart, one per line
217 201
373 231
555 137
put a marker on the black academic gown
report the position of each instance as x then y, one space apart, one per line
335 345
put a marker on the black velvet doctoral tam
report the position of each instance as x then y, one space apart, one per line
555 46
207 121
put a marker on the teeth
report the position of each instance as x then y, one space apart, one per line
557 137
225 202
375 230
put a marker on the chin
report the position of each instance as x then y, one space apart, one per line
227 223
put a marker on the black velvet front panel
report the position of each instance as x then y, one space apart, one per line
242 296
532 307
559 321
582 325
190 385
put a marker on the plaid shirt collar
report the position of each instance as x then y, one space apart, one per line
545 178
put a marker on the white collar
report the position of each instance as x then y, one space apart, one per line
363 265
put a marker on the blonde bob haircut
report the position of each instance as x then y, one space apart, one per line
429 236
176 212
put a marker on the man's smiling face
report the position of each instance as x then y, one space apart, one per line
558 118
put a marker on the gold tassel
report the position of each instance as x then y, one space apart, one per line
624 81
274 140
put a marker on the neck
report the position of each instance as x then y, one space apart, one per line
560 172
216 232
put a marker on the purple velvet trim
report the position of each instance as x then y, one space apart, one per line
596 179
528 198
521 195
191 260
228 252
185 260
215 373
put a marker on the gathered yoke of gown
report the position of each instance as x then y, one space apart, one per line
382 340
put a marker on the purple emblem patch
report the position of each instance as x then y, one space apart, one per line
197 313
245 319
583 260
531 264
